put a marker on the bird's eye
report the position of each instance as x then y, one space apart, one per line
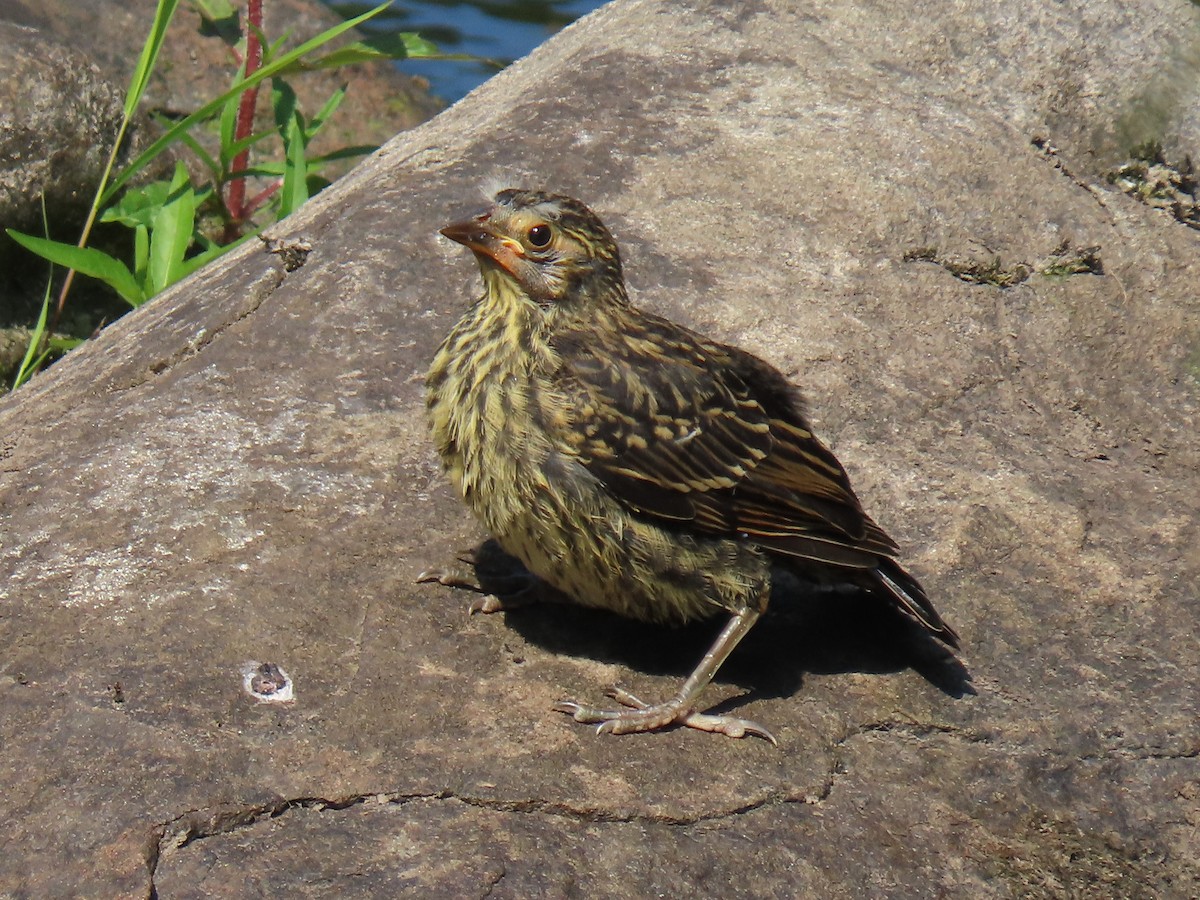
539 235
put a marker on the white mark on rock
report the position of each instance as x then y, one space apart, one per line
267 682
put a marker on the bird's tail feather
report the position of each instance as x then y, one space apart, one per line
911 598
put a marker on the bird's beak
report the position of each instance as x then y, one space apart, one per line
484 240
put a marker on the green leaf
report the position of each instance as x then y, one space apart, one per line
220 18
416 46
86 261
275 67
214 9
284 105
138 205
228 126
271 49
246 143
342 153
402 45
171 234
203 155
141 252
31 364
265 170
295 171
33 360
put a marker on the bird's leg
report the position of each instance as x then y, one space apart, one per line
680 709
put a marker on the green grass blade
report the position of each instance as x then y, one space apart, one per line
295 171
377 48
283 105
342 153
33 360
325 112
227 124
163 14
206 158
246 143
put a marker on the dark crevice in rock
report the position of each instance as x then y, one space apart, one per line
1142 754
593 814
920 730
199 824
926 729
293 253
1048 151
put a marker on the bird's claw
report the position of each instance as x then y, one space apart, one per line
641 716
487 604
449 578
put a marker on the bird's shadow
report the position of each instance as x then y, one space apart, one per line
806 629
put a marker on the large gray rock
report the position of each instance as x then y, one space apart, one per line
240 472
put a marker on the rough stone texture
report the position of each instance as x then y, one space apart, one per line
239 471
58 116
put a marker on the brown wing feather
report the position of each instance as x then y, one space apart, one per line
697 432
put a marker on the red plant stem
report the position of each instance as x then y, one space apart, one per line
253 204
235 197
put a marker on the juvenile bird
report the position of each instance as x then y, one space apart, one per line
631 463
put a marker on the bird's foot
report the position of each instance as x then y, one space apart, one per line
506 591
641 716
456 576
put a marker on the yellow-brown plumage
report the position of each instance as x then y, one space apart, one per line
630 462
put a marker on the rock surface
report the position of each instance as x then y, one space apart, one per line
58 116
239 472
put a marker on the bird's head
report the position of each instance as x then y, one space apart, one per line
553 247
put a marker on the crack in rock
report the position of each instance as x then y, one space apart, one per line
205 336
1049 152
199 824
293 253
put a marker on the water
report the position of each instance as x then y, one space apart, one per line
501 30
